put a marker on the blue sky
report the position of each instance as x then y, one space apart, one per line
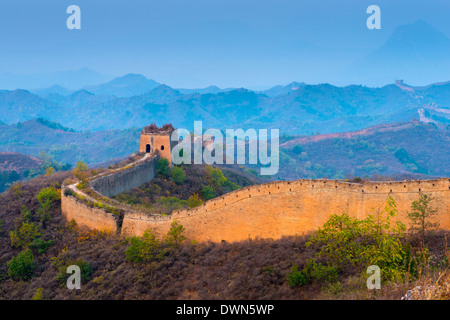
229 43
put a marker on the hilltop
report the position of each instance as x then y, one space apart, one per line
402 150
250 269
398 150
12 161
66 145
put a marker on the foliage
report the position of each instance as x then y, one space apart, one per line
178 175
50 171
49 194
7 178
25 235
38 294
47 197
68 192
175 236
422 216
16 188
347 241
217 176
85 268
208 193
63 261
149 248
41 245
53 125
162 167
22 266
144 249
295 277
319 272
297 149
194 201
81 173
170 204
81 166
48 166
26 213
218 179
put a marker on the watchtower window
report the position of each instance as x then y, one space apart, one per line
162 147
147 148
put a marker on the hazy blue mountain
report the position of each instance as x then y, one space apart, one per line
209 89
126 86
404 150
416 52
34 136
308 109
72 79
283 90
21 105
55 89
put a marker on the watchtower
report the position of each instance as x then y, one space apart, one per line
154 139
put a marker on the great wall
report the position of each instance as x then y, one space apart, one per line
271 210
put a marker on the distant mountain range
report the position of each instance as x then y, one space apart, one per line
72 79
297 108
413 51
34 136
400 150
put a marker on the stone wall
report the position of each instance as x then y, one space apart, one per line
87 217
287 208
270 210
126 178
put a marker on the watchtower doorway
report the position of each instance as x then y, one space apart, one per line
147 148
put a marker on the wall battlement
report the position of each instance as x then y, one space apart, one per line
269 210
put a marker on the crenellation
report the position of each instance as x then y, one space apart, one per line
270 210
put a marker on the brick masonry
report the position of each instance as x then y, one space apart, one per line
273 210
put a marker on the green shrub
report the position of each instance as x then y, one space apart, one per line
217 176
345 241
314 271
25 235
48 195
68 192
41 245
175 236
208 193
178 175
26 213
423 216
295 278
22 266
16 188
38 294
194 201
144 249
62 264
162 167
81 166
